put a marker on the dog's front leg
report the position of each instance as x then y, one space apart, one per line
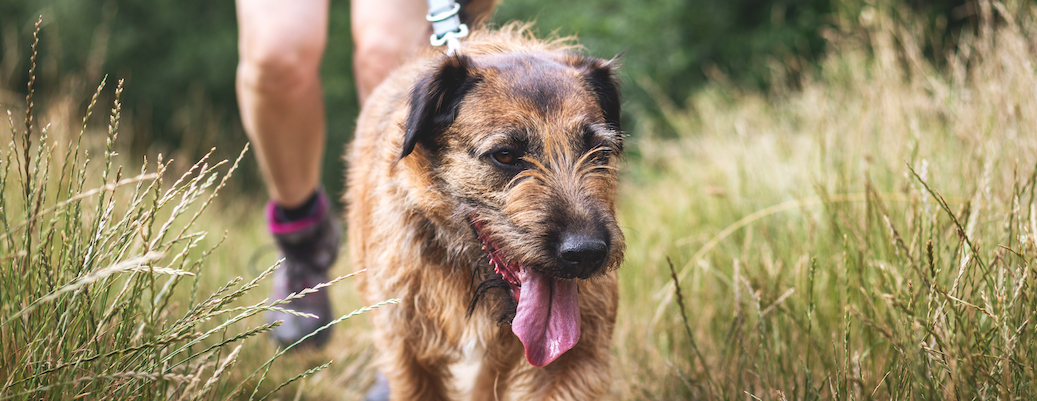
415 367
502 355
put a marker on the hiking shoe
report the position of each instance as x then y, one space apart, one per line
309 246
380 390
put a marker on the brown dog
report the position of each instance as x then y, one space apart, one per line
481 193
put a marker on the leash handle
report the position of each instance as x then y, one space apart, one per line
446 24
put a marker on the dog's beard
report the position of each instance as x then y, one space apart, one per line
546 316
489 286
494 289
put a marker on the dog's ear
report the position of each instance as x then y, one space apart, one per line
600 76
434 100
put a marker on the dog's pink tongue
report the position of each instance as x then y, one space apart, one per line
548 317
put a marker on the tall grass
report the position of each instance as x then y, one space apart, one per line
867 235
101 289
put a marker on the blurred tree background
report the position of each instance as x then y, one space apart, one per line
179 57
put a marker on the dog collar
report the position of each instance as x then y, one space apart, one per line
446 24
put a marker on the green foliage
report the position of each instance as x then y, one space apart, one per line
179 61
165 50
673 43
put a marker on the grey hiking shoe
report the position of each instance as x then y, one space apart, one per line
380 390
309 246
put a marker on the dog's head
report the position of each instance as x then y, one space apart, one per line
524 149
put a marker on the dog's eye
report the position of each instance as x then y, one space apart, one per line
506 157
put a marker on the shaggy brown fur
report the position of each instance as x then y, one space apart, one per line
505 153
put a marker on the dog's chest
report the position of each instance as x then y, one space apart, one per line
466 369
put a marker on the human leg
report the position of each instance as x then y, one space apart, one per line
281 44
385 32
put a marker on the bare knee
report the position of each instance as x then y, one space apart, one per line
373 61
276 70
280 45
384 34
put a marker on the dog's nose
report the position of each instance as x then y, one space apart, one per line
583 253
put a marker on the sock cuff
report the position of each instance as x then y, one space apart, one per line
278 226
